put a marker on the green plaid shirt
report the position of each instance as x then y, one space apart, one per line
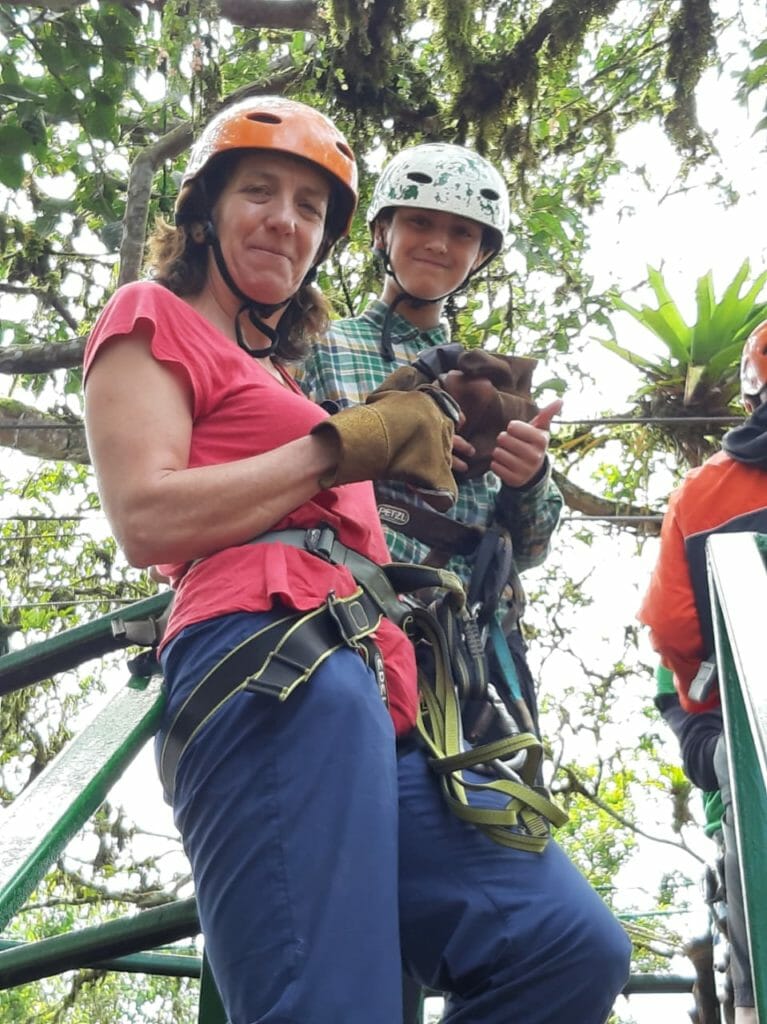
346 366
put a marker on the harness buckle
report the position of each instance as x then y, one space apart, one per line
270 687
472 634
351 618
704 682
355 626
320 540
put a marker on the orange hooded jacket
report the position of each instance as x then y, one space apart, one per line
721 496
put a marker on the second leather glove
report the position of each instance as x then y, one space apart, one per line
491 390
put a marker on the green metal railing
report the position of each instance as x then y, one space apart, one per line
53 808
738 586
132 625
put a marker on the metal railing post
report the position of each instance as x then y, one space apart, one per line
738 586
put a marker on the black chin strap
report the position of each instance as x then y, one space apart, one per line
387 349
257 312
268 331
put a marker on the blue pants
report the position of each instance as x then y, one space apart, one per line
323 861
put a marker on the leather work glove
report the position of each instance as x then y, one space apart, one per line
397 435
491 390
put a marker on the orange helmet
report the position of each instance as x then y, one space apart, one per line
753 368
283 126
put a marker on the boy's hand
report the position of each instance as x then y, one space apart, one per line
462 453
521 449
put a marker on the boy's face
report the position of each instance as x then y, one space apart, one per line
431 252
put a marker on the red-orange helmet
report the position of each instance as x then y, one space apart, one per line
753 368
283 126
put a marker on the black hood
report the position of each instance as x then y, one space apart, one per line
748 443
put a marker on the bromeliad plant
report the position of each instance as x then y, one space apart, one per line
699 374
701 369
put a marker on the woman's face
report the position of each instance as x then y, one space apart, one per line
270 220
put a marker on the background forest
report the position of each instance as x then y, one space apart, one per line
577 102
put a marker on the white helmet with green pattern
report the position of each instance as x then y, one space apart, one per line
441 176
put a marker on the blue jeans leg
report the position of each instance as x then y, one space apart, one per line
288 813
510 935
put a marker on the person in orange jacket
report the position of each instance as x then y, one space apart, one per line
726 494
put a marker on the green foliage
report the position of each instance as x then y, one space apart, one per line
622 483
691 50
754 78
90 996
591 837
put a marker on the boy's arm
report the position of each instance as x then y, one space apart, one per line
529 502
531 515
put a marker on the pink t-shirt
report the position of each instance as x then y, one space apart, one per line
240 411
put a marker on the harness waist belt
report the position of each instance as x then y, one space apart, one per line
273 661
321 541
432 528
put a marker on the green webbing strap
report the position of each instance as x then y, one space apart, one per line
406 577
272 661
522 823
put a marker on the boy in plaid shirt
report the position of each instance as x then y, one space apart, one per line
510 920
439 214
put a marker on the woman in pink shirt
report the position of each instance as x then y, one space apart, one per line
301 795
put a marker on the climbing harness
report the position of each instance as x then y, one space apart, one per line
287 652
450 669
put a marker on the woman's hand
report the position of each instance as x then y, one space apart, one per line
396 435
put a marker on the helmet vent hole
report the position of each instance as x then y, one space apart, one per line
343 148
263 118
489 193
420 177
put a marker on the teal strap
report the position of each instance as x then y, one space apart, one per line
503 654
